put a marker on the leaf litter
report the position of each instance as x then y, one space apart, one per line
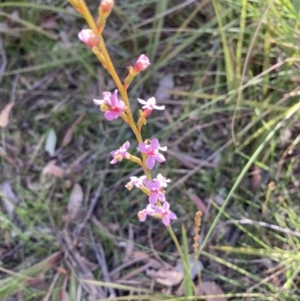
9 198
75 201
4 115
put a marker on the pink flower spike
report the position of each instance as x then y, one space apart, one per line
142 63
120 153
166 214
115 105
135 181
162 180
150 104
142 215
152 152
155 192
88 37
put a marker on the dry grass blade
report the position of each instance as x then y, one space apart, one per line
16 283
77 265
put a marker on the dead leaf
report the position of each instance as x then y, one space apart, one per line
210 288
52 169
50 143
114 227
38 282
166 277
38 186
69 134
130 243
219 199
9 199
77 164
196 266
256 178
155 264
285 136
166 83
4 115
75 201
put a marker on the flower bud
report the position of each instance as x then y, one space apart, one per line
129 186
142 121
88 37
107 6
141 64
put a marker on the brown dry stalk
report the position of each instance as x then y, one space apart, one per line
198 217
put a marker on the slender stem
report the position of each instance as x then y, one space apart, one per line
88 16
176 242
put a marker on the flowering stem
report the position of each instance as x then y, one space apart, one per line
111 69
88 16
104 58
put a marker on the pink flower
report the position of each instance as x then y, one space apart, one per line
155 192
142 63
135 181
152 152
142 215
88 37
166 214
115 105
107 5
162 180
120 153
150 104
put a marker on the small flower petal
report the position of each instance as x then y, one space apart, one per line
172 215
142 147
114 161
166 220
161 197
154 144
110 115
150 162
152 199
163 148
98 102
159 157
162 180
166 214
141 101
